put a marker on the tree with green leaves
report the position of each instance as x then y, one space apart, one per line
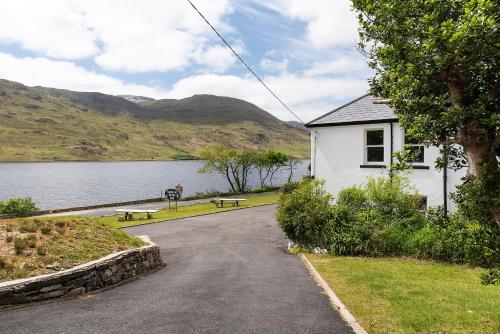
277 160
240 168
230 163
261 165
291 164
438 61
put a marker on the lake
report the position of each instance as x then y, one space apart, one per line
54 185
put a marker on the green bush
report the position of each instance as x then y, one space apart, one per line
348 232
289 187
491 276
374 219
303 213
383 218
456 239
353 198
18 206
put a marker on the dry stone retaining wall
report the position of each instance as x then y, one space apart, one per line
90 276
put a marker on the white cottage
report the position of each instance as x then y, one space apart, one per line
358 140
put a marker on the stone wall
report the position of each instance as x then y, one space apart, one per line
90 276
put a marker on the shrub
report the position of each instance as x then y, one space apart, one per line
348 232
31 241
40 250
375 219
289 187
2 262
303 213
491 276
383 218
18 206
45 230
393 197
9 237
456 239
19 245
28 227
354 198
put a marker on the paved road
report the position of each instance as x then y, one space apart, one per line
226 273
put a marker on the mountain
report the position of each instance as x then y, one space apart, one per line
46 124
298 125
136 98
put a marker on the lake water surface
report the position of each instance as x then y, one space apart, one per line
55 185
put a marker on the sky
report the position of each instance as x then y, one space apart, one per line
305 50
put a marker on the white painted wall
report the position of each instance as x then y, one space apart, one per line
338 151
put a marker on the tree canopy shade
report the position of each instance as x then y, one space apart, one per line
438 63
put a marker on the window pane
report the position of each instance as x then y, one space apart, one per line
375 154
375 137
417 152
409 140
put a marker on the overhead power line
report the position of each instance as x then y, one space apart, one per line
245 64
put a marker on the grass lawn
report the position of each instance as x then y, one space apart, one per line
189 211
27 246
389 295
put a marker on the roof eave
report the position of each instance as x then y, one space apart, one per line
372 121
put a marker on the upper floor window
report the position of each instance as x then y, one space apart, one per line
374 148
416 149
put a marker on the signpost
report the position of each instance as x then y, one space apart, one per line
172 195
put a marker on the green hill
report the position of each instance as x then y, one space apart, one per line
45 124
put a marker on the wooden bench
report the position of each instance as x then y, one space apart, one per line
219 202
129 213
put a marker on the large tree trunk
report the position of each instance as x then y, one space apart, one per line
480 150
480 144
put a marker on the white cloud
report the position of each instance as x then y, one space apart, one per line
66 75
274 65
339 65
217 59
308 96
52 28
329 23
126 35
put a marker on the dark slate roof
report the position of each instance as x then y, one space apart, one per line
363 110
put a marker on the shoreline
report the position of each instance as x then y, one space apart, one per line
79 161
51 161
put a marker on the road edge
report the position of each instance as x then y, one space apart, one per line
334 300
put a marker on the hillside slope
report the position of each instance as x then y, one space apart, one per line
46 124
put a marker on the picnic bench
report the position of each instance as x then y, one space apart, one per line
219 202
129 213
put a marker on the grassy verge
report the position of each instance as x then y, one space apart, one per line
188 211
32 247
409 296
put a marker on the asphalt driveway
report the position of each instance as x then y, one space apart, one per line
226 273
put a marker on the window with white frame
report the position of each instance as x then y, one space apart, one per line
417 150
374 145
